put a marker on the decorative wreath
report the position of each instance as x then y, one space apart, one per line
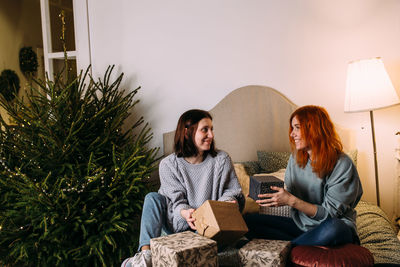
9 84
28 60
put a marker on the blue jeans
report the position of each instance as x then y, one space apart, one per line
154 218
330 232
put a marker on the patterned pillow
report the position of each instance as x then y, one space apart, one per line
377 234
272 161
251 167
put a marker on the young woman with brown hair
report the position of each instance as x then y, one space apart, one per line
196 172
322 187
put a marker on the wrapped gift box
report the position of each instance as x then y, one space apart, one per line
284 211
184 249
264 252
220 221
261 184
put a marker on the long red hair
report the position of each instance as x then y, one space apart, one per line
319 133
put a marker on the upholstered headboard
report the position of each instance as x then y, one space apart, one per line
248 119
253 118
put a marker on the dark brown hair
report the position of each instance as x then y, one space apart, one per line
319 132
184 145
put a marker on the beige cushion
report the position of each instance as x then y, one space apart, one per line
353 155
250 205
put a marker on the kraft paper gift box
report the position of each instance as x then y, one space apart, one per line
184 249
220 221
264 252
261 184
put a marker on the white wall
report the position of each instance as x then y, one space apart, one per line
190 54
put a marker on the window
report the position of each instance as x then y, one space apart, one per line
76 35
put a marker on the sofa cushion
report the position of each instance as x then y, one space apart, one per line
271 161
250 205
377 233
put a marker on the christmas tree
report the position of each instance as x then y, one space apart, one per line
72 182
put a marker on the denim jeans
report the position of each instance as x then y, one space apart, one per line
154 218
330 232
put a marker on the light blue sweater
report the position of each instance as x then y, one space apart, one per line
187 185
335 195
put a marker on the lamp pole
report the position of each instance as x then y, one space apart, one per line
371 115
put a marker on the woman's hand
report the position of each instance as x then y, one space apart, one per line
283 197
279 198
187 215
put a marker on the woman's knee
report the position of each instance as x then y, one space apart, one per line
336 228
154 198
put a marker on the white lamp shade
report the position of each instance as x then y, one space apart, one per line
368 86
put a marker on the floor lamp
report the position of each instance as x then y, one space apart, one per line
368 88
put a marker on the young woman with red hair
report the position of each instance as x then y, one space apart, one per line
322 187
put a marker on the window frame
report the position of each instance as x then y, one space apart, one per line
82 39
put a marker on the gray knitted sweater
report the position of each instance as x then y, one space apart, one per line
187 185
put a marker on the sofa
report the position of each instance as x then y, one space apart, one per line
251 124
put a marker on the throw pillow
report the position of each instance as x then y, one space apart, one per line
250 205
344 255
353 155
272 161
376 233
251 167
